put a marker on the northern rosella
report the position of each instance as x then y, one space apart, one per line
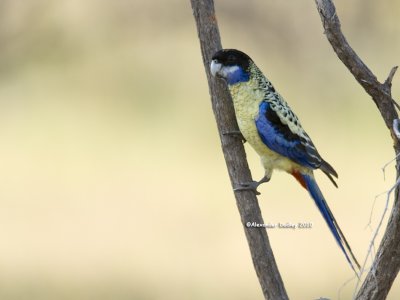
269 125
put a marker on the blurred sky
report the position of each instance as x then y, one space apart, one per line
112 181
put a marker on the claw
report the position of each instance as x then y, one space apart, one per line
248 186
252 185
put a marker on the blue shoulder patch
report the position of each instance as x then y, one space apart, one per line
279 138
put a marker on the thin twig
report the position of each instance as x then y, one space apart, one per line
344 285
372 211
377 229
388 81
390 161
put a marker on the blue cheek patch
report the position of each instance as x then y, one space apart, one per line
239 75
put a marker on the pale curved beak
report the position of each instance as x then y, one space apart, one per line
215 67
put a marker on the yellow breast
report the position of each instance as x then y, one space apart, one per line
246 98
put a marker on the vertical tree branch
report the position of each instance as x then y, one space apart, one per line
387 260
235 157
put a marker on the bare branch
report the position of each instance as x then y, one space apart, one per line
387 260
379 93
388 81
235 157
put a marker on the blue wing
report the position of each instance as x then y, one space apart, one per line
278 137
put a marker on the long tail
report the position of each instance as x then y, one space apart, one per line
308 182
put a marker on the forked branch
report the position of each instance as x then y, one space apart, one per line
386 264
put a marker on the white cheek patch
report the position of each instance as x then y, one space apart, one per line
215 67
226 71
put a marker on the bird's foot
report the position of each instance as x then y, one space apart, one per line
235 133
252 185
248 186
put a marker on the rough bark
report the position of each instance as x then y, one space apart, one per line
235 157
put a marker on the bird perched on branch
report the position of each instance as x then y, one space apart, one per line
269 125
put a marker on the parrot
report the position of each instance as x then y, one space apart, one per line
273 130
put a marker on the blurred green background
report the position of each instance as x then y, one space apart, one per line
112 181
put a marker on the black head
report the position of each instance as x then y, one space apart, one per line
232 57
232 65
